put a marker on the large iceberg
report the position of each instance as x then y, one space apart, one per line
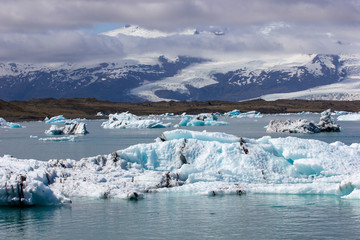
129 120
189 162
203 119
326 124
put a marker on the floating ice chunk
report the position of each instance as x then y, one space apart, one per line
292 126
232 113
58 139
100 114
74 128
203 119
326 124
56 119
5 124
128 120
237 114
349 117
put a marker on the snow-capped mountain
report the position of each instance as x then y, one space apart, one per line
185 78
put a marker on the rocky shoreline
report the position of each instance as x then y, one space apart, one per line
38 109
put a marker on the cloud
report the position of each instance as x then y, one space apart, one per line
63 46
42 15
52 30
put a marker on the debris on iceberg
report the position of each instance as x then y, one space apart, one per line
237 114
326 124
5 124
203 119
188 162
349 117
129 120
69 129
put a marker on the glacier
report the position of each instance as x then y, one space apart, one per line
184 161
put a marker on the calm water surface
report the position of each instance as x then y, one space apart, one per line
175 216
163 216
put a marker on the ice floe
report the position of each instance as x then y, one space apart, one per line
203 119
190 162
58 139
326 124
5 124
349 117
68 129
237 114
129 120
56 119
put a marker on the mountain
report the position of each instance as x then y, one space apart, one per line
106 81
185 78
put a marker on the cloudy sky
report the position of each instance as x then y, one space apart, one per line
69 30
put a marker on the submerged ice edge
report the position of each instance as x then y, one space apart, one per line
189 162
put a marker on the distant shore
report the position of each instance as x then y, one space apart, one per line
38 109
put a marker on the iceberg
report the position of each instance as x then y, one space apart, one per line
326 124
56 119
349 117
183 161
5 124
237 114
100 114
203 119
129 120
69 129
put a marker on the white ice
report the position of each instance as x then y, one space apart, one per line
68 129
203 119
326 124
129 120
190 162
5 124
349 117
237 114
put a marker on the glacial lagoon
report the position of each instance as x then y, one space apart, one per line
177 215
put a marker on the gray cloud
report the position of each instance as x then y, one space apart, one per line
61 46
40 15
51 30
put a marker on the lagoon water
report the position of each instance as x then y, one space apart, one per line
175 216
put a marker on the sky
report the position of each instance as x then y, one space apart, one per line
52 31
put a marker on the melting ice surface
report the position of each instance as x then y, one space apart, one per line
188 162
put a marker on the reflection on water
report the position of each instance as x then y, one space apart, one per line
175 216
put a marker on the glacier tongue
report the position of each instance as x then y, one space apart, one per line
188 161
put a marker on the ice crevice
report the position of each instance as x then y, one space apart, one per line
184 161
